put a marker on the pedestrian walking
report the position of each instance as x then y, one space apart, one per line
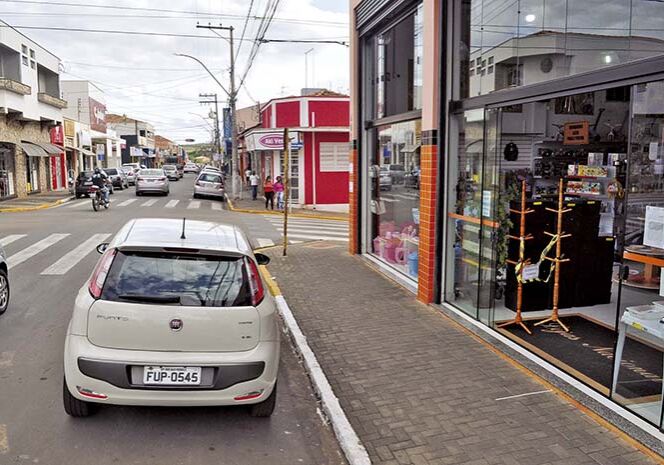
279 192
268 189
253 180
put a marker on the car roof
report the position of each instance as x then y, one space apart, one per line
159 233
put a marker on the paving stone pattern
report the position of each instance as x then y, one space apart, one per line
416 387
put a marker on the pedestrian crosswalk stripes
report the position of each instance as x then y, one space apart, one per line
4 241
264 242
126 202
78 204
149 203
216 206
172 203
69 260
311 229
194 204
317 237
313 223
294 229
34 249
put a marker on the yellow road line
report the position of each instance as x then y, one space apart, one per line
269 280
4 443
34 208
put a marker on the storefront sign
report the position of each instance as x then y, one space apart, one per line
69 128
57 135
270 141
97 115
84 138
101 152
136 152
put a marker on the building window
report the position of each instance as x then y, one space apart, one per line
490 70
333 156
24 59
33 64
32 54
483 71
397 67
6 171
472 72
24 49
490 60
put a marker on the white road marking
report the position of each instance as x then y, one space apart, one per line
312 229
7 359
524 395
34 249
126 202
68 261
78 204
194 204
4 443
263 242
320 224
296 229
388 199
11 238
318 238
216 206
149 203
172 203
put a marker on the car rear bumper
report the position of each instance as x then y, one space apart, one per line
151 187
209 192
117 374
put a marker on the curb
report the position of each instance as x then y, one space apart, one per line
36 207
294 215
348 439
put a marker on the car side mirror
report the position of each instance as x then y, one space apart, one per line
101 248
262 259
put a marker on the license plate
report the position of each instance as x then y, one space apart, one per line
87 183
172 375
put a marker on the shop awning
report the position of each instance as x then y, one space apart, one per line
33 150
50 148
87 152
410 148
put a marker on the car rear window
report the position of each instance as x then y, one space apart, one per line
194 280
169 167
207 177
85 174
110 171
149 172
396 167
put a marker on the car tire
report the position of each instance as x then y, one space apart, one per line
196 196
4 291
264 409
75 407
138 194
78 196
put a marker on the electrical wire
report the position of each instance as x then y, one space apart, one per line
244 29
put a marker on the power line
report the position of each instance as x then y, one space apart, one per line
244 29
99 65
161 10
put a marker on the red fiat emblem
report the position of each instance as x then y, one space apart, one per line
176 324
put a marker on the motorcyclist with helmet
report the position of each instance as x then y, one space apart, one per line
100 179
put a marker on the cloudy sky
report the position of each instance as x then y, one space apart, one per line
140 75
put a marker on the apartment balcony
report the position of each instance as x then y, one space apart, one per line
14 86
50 100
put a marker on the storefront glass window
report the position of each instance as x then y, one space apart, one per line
398 67
32 173
6 171
568 276
533 41
394 180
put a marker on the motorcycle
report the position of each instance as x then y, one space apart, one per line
98 198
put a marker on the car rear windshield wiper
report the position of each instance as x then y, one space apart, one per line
161 299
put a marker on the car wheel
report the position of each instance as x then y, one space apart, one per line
138 194
196 196
78 196
4 291
75 407
265 408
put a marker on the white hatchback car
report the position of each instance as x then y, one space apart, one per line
174 314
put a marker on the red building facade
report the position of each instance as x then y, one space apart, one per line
319 131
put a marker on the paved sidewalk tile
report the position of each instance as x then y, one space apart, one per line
420 390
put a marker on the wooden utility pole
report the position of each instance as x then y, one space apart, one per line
286 187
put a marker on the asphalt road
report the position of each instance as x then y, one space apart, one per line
50 265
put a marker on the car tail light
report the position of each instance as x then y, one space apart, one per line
198 183
162 179
140 179
99 275
255 283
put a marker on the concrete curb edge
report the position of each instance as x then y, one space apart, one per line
348 439
36 207
294 215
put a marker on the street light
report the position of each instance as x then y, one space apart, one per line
206 69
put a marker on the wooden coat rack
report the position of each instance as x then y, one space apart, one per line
521 262
559 235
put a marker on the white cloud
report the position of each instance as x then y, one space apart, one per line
140 76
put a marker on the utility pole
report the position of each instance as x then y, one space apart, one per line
286 187
232 101
212 98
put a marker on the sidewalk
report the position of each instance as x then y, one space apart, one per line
35 201
246 205
419 389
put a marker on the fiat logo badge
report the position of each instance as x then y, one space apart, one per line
176 324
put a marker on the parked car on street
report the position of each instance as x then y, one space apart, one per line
209 184
171 172
397 172
152 180
174 314
117 177
385 179
180 168
131 175
412 179
4 282
83 183
190 168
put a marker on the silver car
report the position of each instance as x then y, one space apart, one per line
131 175
4 282
171 172
152 180
209 184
